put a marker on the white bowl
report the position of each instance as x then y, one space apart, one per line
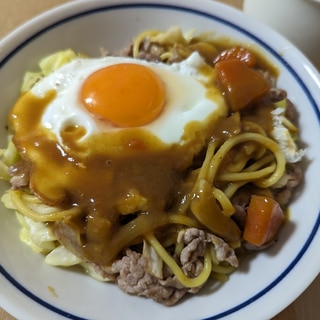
265 284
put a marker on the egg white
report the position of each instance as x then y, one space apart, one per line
186 99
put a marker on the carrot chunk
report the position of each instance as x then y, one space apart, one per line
241 84
264 219
239 53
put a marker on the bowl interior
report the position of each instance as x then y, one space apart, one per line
89 26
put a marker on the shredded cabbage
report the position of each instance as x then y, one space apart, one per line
8 157
282 133
154 261
60 256
37 235
47 65
173 36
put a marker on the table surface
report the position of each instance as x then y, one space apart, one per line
15 12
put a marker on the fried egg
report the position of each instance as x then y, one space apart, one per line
112 93
115 123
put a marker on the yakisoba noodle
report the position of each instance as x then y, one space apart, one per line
203 229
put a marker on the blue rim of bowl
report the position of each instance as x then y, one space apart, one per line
275 54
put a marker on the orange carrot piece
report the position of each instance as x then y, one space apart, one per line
239 53
264 219
241 85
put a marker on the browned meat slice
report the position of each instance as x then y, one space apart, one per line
291 179
195 241
134 278
19 175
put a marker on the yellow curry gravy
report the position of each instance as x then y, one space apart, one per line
108 176
124 184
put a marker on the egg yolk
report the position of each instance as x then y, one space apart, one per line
126 94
